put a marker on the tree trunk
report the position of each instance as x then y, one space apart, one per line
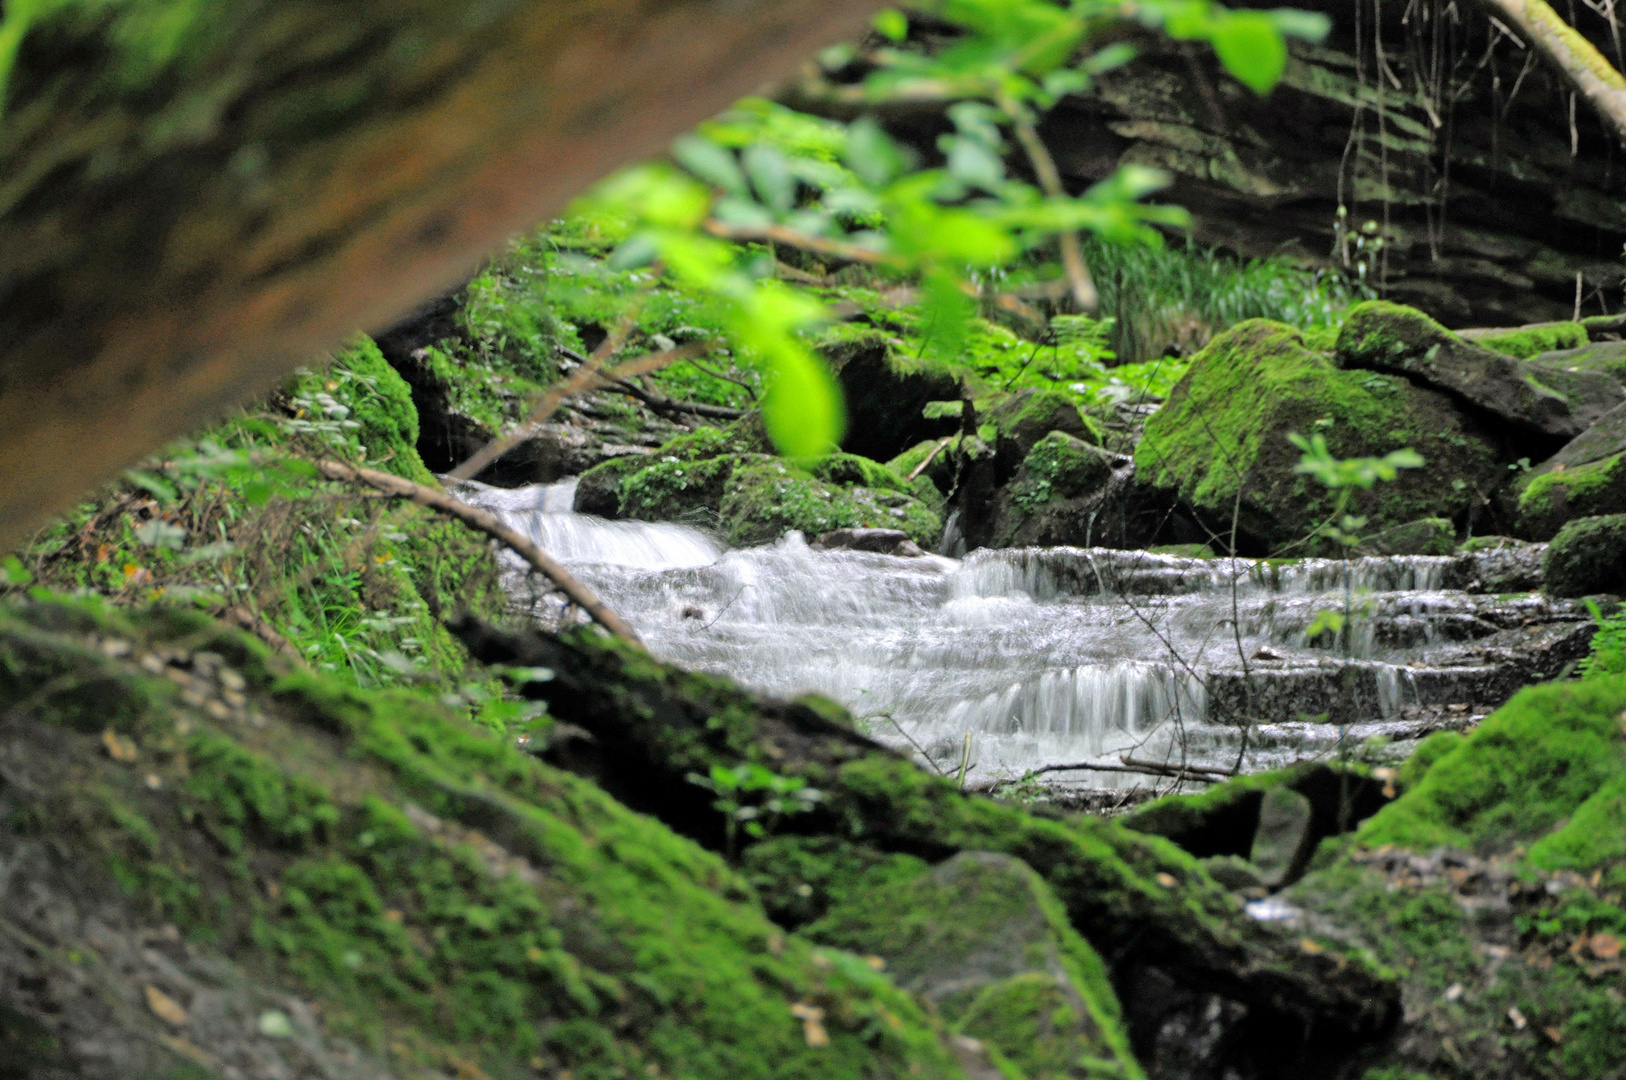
187 215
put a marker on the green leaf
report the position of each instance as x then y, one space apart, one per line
13 572
771 176
1250 46
802 408
892 25
710 162
872 154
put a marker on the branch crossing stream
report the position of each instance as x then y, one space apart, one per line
1053 656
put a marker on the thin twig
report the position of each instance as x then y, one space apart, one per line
918 469
818 245
488 523
1044 167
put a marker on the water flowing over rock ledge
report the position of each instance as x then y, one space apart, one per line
1049 656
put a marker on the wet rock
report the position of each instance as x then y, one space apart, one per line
1281 844
1497 564
1225 428
879 541
1427 536
1588 556
598 490
983 939
1529 342
1546 401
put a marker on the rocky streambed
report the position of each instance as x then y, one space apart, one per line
1012 663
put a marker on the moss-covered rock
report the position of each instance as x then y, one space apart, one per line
1225 427
675 489
1545 401
1585 478
983 939
1607 357
764 498
1495 884
1527 342
1027 416
1052 498
598 490
937 457
360 393
446 903
1587 556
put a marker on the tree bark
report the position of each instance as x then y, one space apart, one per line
1581 64
182 222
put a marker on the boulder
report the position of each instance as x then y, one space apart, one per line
1426 536
1281 844
983 939
1054 497
1586 478
878 541
886 398
1604 357
1543 400
1226 424
1027 416
1588 556
598 490
763 498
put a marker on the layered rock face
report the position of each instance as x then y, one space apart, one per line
1461 180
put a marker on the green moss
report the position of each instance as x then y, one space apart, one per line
1551 498
1529 766
439 895
1381 330
1059 467
367 397
1587 556
985 940
1422 759
1531 340
1225 427
675 489
598 490
765 498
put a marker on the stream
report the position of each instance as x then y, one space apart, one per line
1008 661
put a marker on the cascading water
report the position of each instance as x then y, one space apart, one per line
1042 656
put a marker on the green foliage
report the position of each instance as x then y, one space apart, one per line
754 798
1607 655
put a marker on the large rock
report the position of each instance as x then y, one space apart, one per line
1027 416
1587 556
1603 357
1224 429
1056 494
886 398
1281 844
1547 401
983 938
1586 478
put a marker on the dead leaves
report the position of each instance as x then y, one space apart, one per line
165 1007
812 1018
119 747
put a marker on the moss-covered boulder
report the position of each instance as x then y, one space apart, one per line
933 459
1054 496
886 392
984 940
723 478
1586 478
252 871
1528 342
1494 884
1224 429
1027 416
764 498
360 397
1587 556
1543 400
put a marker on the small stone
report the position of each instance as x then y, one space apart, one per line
118 747
165 1007
115 648
1453 992
153 782
232 681
1517 1017
274 1024
217 710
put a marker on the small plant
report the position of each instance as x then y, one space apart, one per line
1344 476
755 799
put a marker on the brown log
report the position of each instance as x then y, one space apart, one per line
176 236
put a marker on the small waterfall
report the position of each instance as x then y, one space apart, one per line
1040 656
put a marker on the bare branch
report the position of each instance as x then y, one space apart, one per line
487 522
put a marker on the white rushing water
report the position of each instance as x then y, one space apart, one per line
1041 656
